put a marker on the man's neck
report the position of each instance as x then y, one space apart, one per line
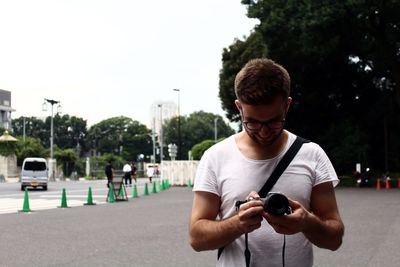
255 151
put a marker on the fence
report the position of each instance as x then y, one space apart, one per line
179 172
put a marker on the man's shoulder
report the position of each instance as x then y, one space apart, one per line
222 145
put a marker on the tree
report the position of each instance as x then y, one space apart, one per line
71 132
137 140
32 147
343 58
68 159
195 128
120 136
35 128
199 149
68 131
233 59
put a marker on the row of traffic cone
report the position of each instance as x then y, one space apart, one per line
157 187
387 183
26 207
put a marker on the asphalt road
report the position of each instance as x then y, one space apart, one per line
153 231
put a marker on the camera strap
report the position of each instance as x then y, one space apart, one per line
282 165
279 169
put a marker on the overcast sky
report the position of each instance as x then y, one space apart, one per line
116 58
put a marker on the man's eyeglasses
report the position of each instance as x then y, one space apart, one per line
257 125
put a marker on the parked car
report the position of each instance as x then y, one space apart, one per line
34 173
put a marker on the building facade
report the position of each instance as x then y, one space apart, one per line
5 109
160 113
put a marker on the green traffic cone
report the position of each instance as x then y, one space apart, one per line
189 183
135 192
166 184
121 193
146 190
90 198
64 199
163 185
25 207
110 195
154 187
158 187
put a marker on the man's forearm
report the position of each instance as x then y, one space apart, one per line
209 235
324 234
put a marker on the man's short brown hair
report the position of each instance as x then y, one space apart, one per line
260 81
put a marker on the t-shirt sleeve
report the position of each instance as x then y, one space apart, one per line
206 179
324 171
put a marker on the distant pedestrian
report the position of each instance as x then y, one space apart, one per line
127 169
134 171
150 173
109 170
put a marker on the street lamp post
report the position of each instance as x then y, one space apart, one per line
44 108
179 125
153 137
161 134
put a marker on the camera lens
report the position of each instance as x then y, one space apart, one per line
276 204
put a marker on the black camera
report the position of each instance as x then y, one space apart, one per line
274 203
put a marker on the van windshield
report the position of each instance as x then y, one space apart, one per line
35 166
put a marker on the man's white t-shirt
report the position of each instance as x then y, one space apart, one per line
226 172
127 168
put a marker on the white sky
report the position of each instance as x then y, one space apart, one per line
116 58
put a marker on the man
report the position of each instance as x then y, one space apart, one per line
150 173
109 171
134 171
238 167
127 169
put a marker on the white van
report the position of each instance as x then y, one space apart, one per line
34 173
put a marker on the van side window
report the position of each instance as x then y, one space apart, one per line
35 166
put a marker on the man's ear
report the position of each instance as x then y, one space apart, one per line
238 105
289 101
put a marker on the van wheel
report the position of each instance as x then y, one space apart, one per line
45 187
22 188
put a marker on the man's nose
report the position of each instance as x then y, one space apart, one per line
264 131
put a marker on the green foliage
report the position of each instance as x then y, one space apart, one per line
121 136
69 132
137 140
195 128
32 147
199 149
233 59
7 148
350 148
67 158
120 139
97 164
34 128
343 58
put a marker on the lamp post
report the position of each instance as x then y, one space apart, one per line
44 108
153 138
161 134
179 125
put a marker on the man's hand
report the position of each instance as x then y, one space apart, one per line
321 225
250 213
289 224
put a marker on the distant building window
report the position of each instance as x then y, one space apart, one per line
6 103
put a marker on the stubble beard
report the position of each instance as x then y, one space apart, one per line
266 143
